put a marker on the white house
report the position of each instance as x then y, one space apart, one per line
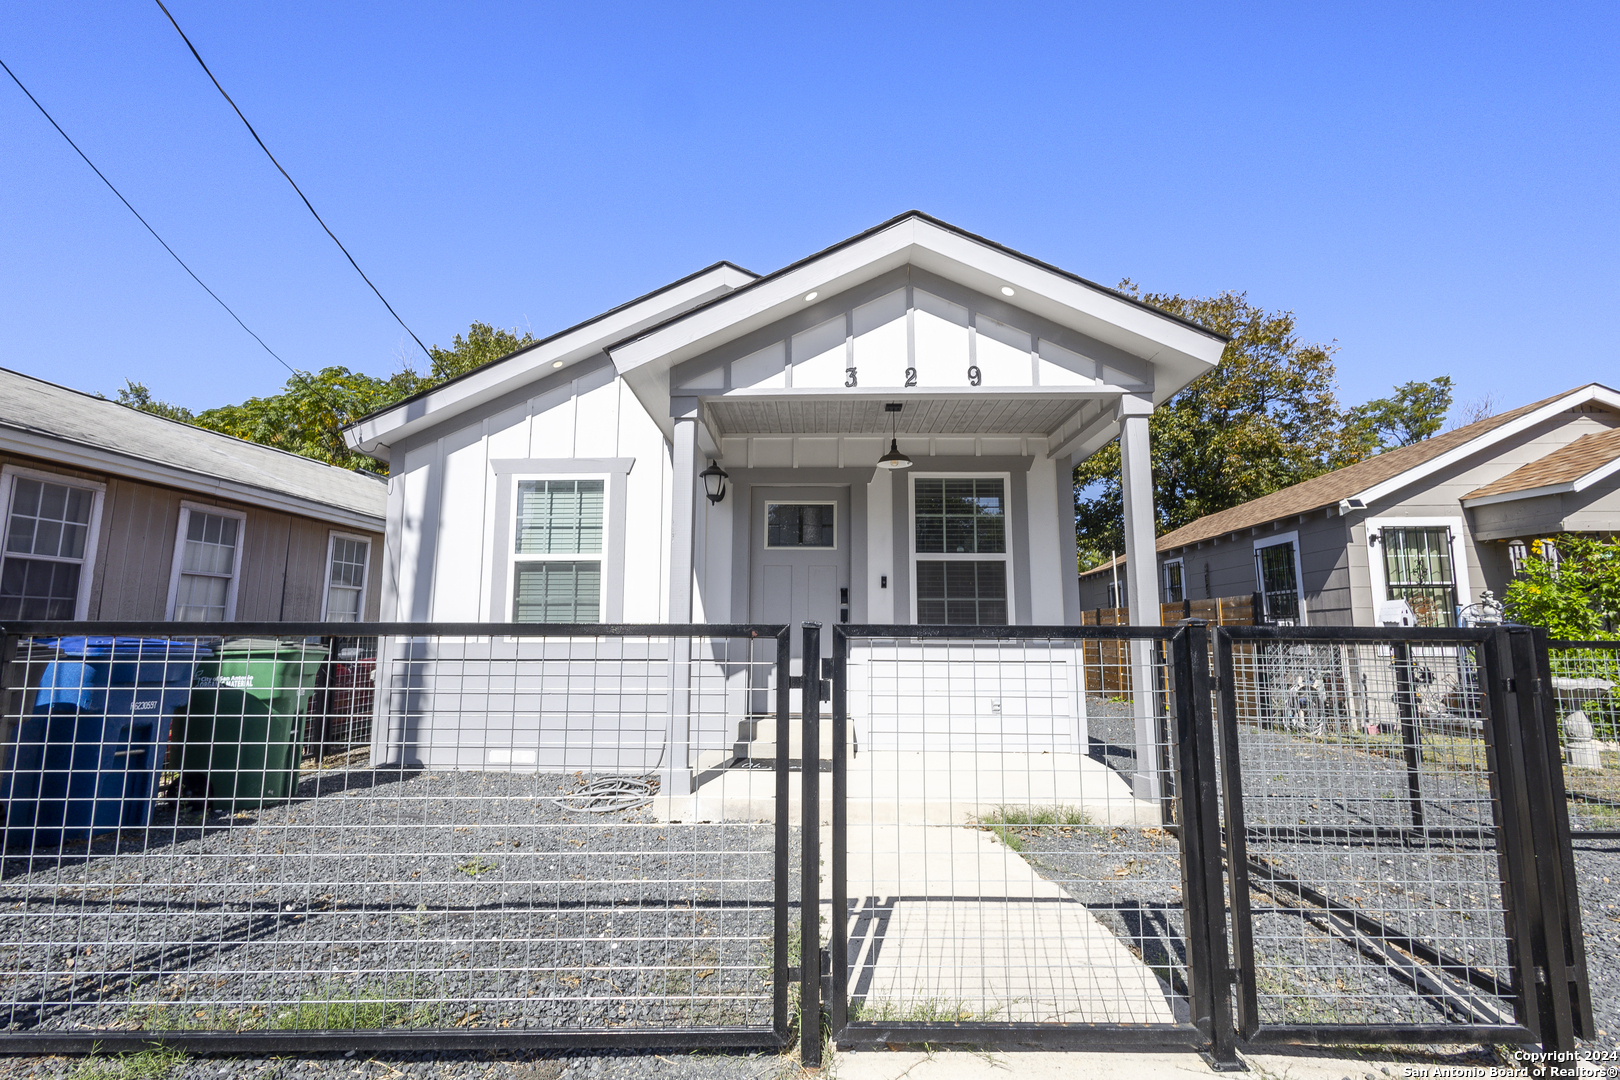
564 482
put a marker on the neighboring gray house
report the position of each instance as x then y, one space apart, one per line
1434 524
111 513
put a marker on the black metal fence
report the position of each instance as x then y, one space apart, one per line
485 835
497 844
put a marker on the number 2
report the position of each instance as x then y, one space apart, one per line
911 376
849 376
974 377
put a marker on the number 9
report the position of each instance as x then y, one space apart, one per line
974 377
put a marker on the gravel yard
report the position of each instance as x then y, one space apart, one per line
382 899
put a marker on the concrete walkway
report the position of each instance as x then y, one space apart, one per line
950 924
923 788
1161 1065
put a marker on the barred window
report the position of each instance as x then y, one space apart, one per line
557 521
1419 569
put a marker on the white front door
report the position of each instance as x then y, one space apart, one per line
799 548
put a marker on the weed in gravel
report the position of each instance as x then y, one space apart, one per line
1006 822
926 1011
474 867
153 1064
339 1008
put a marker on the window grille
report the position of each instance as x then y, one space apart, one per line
346 579
1418 568
958 519
1279 582
207 567
1174 590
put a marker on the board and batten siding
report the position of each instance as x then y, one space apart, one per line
283 555
442 497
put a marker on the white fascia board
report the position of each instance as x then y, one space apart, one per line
1600 394
77 455
1178 352
584 341
1601 473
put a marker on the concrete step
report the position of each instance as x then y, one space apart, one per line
756 738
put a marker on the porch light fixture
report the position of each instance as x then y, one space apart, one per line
556 363
1006 290
894 459
809 296
714 482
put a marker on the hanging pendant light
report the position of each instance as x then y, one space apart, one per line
894 459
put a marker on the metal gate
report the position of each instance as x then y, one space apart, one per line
198 855
1328 835
1015 857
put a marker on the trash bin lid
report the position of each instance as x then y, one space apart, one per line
146 650
265 648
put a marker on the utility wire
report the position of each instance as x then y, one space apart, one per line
290 180
143 221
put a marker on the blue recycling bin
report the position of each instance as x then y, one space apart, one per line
87 757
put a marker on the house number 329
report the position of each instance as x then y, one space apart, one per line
974 376
849 377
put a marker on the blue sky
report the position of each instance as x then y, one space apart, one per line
1432 186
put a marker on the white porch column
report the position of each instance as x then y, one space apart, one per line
1141 584
676 772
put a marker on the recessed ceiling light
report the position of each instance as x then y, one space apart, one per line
809 296
556 363
1006 290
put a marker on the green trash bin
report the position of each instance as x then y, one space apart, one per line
241 736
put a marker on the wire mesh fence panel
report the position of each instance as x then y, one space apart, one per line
512 848
1010 849
1586 690
1376 888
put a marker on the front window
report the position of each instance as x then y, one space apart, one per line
346 578
1174 593
961 538
46 539
1278 581
209 544
1419 569
558 521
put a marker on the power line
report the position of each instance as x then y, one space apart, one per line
290 180
143 221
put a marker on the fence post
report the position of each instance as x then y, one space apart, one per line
779 992
1411 734
838 1008
1208 992
810 887
1237 842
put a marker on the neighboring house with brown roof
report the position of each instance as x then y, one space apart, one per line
111 513
1433 524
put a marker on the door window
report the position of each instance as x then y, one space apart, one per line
801 525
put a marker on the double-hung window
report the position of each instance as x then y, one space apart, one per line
48 544
207 564
961 550
346 578
557 552
1418 568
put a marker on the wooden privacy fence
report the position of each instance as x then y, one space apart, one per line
1108 663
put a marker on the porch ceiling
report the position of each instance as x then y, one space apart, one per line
931 414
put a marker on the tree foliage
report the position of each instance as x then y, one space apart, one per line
1265 418
309 414
1413 413
1576 595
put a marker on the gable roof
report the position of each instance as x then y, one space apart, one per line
43 420
1575 467
1383 473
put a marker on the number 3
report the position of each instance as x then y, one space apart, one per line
911 376
974 378
849 376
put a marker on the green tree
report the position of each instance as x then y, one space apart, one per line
1576 596
1265 418
1413 413
483 344
137 396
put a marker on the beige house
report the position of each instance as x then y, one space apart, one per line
1433 525
115 514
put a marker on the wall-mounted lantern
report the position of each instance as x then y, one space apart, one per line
714 481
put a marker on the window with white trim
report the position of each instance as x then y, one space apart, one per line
48 537
1175 590
557 551
1419 568
961 550
346 561
208 562
1276 577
